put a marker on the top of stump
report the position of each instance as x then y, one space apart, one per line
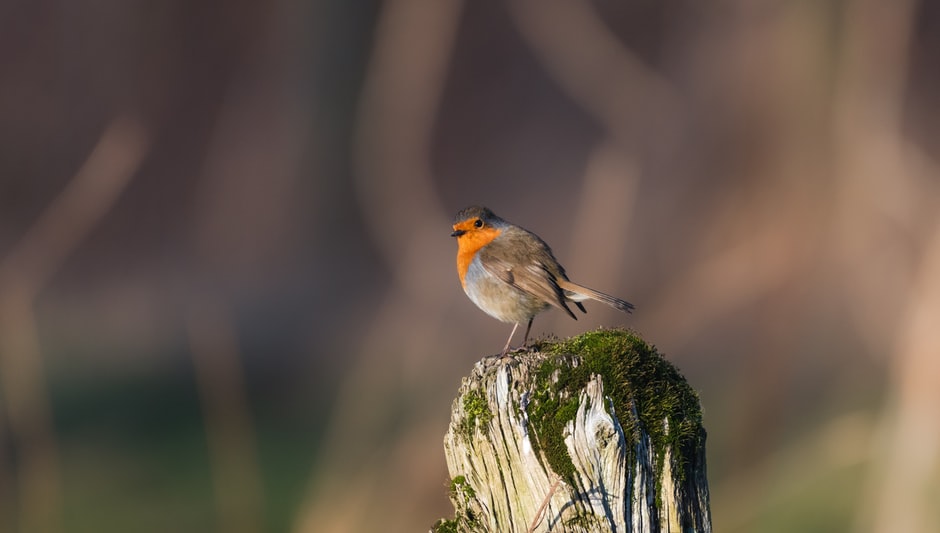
607 399
635 376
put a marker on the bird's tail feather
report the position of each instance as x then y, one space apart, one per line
579 293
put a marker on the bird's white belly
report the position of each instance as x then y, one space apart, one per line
499 299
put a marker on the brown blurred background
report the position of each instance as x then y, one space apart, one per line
227 291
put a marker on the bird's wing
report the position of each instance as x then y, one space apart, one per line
525 262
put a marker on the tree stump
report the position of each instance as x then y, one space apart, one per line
595 433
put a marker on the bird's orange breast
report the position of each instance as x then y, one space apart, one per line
469 244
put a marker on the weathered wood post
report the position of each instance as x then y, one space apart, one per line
595 433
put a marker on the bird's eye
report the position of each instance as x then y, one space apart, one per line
478 223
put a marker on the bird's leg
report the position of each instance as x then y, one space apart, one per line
509 340
525 339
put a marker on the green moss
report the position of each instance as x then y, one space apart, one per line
634 375
459 488
462 496
445 526
476 409
583 522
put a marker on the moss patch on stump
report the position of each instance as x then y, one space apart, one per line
635 376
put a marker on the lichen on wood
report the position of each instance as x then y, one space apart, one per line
603 412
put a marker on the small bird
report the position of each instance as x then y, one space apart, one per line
512 275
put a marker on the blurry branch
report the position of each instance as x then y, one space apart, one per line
909 455
589 62
395 121
246 193
229 433
60 229
404 82
881 186
607 202
877 186
730 279
78 208
637 107
242 229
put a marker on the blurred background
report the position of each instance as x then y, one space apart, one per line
228 299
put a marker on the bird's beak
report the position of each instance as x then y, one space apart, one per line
458 233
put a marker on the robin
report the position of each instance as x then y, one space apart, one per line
512 275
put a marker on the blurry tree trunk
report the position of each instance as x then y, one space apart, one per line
608 438
24 272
